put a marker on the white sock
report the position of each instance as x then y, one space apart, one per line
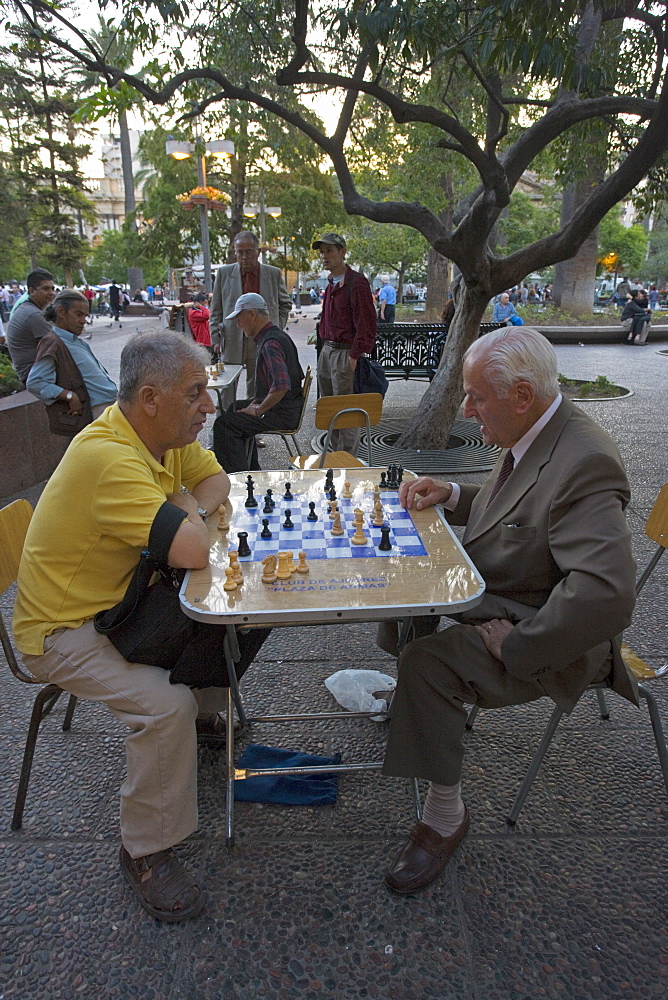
443 808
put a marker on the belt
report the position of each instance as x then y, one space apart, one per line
339 344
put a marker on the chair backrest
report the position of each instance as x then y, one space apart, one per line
357 409
327 408
14 521
656 528
306 388
657 522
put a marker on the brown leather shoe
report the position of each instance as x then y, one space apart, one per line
424 856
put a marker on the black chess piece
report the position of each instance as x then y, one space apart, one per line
383 482
265 533
385 543
250 481
392 477
250 501
288 494
268 505
332 493
400 475
244 547
311 516
288 520
270 494
329 480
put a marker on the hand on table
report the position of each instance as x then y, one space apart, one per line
423 492
493 633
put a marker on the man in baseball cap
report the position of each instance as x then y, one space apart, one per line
278 396
332 239
347 329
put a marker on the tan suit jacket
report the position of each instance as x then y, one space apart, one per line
554 550
237 349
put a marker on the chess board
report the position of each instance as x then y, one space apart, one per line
315 537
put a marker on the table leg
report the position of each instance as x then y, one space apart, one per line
229 737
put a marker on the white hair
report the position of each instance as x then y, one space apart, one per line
517 354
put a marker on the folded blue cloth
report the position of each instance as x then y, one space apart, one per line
291 790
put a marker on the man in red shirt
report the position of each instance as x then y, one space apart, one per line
197 315
347 329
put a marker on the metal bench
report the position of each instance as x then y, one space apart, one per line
413 350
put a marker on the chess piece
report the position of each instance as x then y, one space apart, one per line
359 538
291 565
268 505
269 575
376 496
383 482
283 573
346 490
236 568
288 494
333 508
223 524
336 525
378 518
266 532
302 567
400 474
230 582
244 547
270 494
385 543
329 480
332 492
250 500
311 516
288 520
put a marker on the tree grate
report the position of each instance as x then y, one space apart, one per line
466 451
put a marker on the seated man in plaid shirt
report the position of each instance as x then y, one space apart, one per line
278 388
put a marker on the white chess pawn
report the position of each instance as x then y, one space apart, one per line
230 582
302 567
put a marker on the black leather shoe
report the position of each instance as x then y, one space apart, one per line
424 856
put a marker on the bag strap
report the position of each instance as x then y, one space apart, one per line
166 523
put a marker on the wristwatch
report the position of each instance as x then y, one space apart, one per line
69 395
202 511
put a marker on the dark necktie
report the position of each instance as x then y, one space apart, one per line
506 468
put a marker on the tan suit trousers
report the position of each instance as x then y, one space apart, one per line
159 794
438 676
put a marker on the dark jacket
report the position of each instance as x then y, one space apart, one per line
68 376
292 361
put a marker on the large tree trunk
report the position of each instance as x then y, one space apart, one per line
438 282
429 427
575 279
135 274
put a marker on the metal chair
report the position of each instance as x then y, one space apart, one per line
656 528
285 434
361 409
14 521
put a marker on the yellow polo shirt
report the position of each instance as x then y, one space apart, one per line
91 523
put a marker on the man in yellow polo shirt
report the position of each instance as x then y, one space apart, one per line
83 544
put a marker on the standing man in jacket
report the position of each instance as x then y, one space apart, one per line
232 281
347 329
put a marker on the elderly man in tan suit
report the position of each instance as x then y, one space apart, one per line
234 280
547 532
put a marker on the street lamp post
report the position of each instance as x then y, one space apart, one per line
180 150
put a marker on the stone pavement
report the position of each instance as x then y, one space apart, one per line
571 903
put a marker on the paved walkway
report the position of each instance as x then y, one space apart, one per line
571 903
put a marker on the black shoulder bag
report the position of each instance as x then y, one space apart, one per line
149 625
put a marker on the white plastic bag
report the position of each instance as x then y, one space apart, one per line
354 690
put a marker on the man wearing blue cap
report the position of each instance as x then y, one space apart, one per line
278 388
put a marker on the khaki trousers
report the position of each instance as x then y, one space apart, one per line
159 794
335 378
438 676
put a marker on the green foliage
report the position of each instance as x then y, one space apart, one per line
656 265
628 243
527 220
9 380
